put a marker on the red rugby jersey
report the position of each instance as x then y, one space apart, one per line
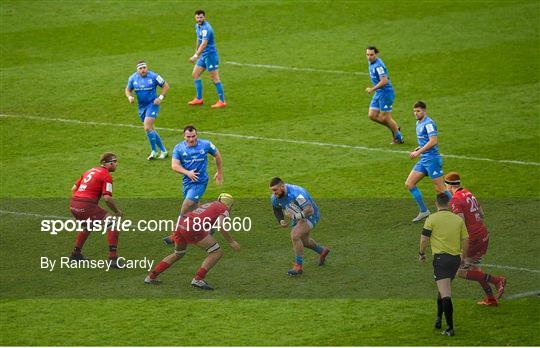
93 184
204 216
465 203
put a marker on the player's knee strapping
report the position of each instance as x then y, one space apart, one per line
180 252
213 248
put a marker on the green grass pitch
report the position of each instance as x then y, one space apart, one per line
294 71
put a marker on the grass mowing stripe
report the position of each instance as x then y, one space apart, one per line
20 213
255 137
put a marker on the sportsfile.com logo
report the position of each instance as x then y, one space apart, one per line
117 223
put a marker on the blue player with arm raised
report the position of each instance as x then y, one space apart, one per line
296 203
206 58
430 163
380 109
144 83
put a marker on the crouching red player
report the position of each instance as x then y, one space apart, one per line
465 205
194 228
87 191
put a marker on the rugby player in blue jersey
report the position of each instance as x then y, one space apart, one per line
190 158
206 58
144 83
380 109
296 203
430 163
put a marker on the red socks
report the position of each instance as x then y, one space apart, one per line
201 273
484 280
79 241
162 266
112 237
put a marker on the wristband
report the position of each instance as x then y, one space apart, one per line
161 96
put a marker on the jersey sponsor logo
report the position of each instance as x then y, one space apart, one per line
212 146
435 172
108 187
211 66
301 199
135 83
160 80
430 128
380 70
204 32
201 151
184 154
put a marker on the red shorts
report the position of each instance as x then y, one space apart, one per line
182 236
478 245
83 210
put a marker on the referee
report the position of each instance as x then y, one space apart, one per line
449 237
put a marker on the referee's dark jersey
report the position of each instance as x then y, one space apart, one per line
446 230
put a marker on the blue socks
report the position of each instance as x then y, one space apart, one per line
152 139
299 260
318 249
159 143
198 88
417 195
221 94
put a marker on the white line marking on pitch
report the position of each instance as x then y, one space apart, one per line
20 213
254 137
523 294
33 215
292 68
510 267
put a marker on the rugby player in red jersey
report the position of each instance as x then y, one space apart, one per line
465 205
87 191
194 228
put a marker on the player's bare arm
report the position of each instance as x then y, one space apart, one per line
232 243
481 211
164 91
308 211
464 249
128 92
424 240
278 213
198 51
177 167
111 204
383 82
219 169
432 142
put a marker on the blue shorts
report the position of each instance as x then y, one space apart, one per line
195 191
382 101
209 62
149 110
431 167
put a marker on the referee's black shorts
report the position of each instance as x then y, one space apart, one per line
445 266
